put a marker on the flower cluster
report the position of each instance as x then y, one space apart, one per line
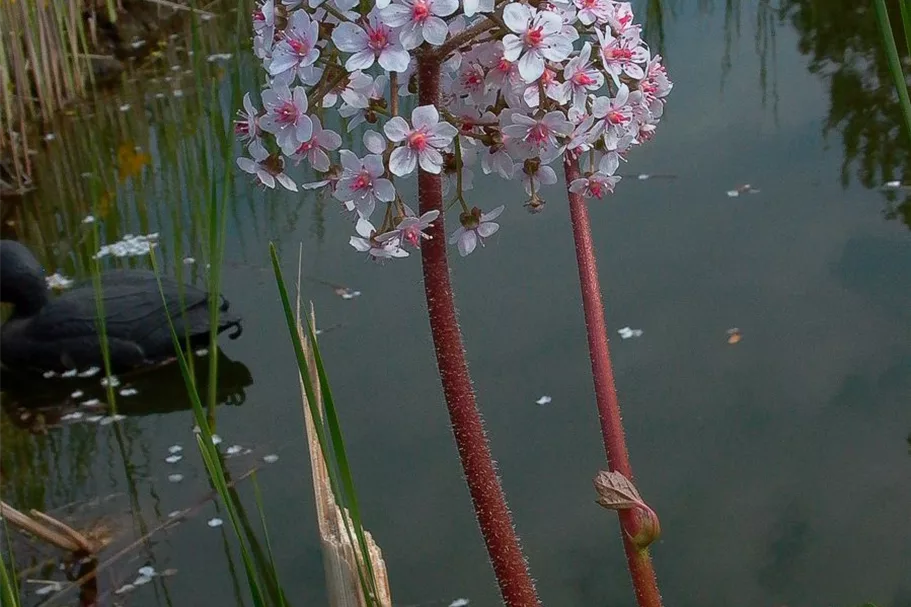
524 85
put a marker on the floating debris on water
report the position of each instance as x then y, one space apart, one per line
189 261
270 459
147 571
129 246
216 440
129 392
175 478
125 107
742 189
892 185
49 136
215 522
91 371
174 513
138 43
459 603
92 402
347 293
49 374
88 218
58 281
234 449
544 400
178 93
106 421
175 449
141 580
70 373
94 418
643 176
72 416
77 394
219 57
173 459
734 335
125 588
626 332
110 380
201 352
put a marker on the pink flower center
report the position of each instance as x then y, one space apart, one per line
286 113
362 182
417 141
503 65
258 16
307 146
411 235
595 188
548 76
301 47
582 79
538 134
377 39
618 54
617 117
421 11
242 128
534 36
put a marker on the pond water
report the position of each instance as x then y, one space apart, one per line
779 465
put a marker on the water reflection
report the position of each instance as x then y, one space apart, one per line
34 403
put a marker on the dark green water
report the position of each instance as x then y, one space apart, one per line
779 466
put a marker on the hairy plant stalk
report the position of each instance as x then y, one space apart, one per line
493 516
638 559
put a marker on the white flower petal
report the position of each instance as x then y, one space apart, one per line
435 31
403 161
516 17
396 129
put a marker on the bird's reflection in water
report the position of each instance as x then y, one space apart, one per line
34 402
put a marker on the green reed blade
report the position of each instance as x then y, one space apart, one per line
344 494
209 453
895 66
9 588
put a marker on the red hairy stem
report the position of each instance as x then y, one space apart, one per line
493 516
638 560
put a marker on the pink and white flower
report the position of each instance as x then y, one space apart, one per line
297 49
616 116
623 54
286 117
246 127
594 11
373 42
419 20
476 226
580 78
537 36
595 185
362 183
314 150
530 137
422 142
368 242
411 229
267 168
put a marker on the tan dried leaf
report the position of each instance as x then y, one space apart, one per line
616 492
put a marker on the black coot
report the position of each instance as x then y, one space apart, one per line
59 334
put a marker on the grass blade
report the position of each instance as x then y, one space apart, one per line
895 66
343 489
